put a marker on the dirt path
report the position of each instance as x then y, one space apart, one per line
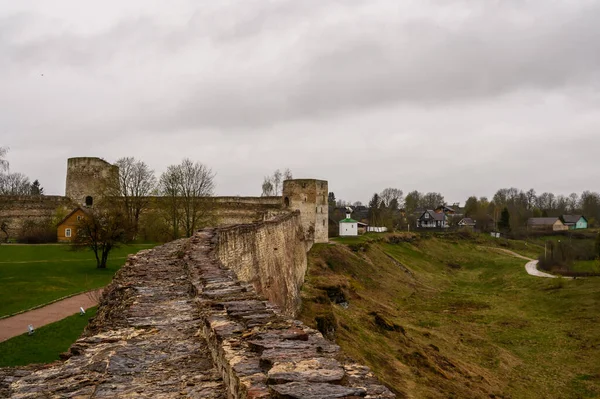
17 325
531 266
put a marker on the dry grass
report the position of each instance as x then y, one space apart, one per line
443 317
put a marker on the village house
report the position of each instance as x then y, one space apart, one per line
67 228
467 223
574 222
549 223
431 219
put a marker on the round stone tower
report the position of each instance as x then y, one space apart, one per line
89 179
310 197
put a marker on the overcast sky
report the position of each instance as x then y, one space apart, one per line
460 97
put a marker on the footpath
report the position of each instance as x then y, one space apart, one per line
531 265
17 324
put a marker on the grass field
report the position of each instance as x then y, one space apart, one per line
45 345
32 275
446 316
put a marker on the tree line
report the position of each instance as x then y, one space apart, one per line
16 183
509 208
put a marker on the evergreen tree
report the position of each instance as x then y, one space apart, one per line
331 198
36 189
504 223
374 211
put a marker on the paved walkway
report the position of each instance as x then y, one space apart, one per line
17 325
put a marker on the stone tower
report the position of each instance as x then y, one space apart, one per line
310 197
89 178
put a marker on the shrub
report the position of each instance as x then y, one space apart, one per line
327 324
37 232
359 247
398 238
154 228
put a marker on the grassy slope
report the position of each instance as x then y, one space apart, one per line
32 275
455 319
45 345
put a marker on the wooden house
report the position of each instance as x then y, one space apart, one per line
67 228
574 222
467 223
431 219
550 224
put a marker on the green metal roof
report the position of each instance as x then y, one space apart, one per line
348 220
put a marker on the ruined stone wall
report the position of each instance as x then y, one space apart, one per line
15 210
271 255
310 197
223 211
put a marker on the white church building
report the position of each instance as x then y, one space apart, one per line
348 226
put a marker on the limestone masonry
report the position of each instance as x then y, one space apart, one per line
88 177
175 323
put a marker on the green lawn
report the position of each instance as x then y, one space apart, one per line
589 266
32 275
46 343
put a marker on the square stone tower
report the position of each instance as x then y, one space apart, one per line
310 197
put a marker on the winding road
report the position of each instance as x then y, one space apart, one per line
531 265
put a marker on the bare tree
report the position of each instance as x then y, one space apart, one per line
102 229
14 184
573 202
432 200
277 175
390 194
3 162
267 187
188 185
273 185
170 189
136 183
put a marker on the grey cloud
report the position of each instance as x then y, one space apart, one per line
260 65
305 83
350 67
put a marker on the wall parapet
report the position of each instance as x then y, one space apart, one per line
270 255
260 352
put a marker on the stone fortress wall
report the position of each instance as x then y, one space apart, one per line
16 210
87 179
309 196
271 255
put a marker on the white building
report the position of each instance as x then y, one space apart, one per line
348 226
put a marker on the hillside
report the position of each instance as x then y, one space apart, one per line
447 316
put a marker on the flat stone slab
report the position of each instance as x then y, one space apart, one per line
303 390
